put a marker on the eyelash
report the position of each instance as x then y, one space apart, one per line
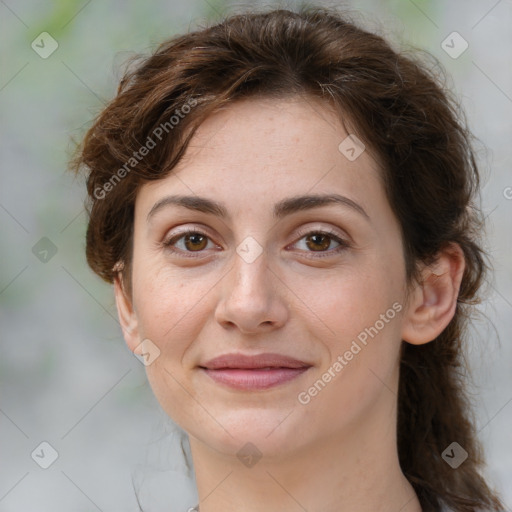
167 244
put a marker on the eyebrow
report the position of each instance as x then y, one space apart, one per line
281 209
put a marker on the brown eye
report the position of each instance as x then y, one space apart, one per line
195 241
187 242
318 242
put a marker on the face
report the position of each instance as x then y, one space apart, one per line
249 266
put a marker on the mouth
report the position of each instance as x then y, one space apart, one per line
254 372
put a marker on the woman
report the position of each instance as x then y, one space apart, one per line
284 205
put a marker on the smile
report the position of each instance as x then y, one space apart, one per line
256 372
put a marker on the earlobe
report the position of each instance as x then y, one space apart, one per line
433 301
127 317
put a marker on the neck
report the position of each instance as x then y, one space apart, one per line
356 469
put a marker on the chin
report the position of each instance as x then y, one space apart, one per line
255 429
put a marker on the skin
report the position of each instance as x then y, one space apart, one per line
338 452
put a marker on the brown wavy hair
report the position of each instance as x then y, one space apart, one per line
409 121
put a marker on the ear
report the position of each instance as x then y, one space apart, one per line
127 316
433 301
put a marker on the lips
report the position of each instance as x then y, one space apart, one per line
240 361
253 372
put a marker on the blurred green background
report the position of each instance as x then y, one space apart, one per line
67 377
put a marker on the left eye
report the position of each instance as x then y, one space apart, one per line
320 241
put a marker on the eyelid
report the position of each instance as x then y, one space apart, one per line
342 240
301 232
169 240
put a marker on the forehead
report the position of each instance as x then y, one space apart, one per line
268 147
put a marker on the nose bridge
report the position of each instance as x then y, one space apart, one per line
250 297
250 270
251 278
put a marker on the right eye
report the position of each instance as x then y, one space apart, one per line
192 240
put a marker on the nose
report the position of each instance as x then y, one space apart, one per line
252 297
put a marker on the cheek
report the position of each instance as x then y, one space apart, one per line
166 302
359 377
364 313
351 302
170 319
171 311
